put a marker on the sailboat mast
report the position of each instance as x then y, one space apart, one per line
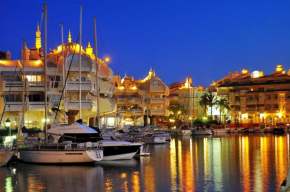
63 73
80 62
45 70
97 74
24 82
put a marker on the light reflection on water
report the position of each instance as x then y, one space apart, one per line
218 163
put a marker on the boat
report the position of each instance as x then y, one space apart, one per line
51 152
162 134
145 151
6 154
201 131
78 132
60 153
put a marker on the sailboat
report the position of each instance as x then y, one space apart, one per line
66 152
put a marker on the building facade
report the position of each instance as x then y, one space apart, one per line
138 100
22 85
187 97
255 97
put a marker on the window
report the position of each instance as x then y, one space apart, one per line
155 84
33 78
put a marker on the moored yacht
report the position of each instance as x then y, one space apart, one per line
78 133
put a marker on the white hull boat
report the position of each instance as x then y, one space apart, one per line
5 156
285 186
202 132
154 140
78 132
61 153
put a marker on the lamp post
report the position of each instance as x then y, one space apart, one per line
8 125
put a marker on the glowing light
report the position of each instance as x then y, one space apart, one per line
43 120
204 117
256 74
279 68
244 71
244 116
279 115
262 115
107 59
8 123
121 88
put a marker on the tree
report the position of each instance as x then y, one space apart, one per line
208 99
222 104
2 55
203 102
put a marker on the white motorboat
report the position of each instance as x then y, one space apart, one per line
162 134
61 153
78 133
199 130
152 139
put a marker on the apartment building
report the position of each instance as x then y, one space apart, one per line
256 97
140 100
22 85
187 97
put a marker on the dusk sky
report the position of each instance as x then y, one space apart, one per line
203 39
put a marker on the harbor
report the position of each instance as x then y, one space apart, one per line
94 102
233 162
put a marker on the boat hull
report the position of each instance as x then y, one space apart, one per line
60 156
119 150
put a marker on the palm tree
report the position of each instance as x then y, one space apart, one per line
211 98
208 99
222 104
203 102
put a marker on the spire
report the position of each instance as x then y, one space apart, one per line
69 37
125 74
89 49
38 37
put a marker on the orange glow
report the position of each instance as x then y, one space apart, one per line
121 88
136 181
123 175
107 59
173 166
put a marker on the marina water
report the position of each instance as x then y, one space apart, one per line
233 162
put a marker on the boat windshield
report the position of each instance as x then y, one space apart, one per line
80 137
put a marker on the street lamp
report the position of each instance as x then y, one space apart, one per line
8 124
107 59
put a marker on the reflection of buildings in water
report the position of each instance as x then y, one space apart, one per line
173 165
244 162
31 177
122 175
217 172
7 178
280 157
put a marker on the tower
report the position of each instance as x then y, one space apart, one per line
89 49
38 38
69 37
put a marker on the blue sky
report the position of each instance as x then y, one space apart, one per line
203 39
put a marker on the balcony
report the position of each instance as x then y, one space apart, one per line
158 100
14 106
161 112
74 104
86 86
130 100
107 88
120 100
13 86
131 112
36 85
37 106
